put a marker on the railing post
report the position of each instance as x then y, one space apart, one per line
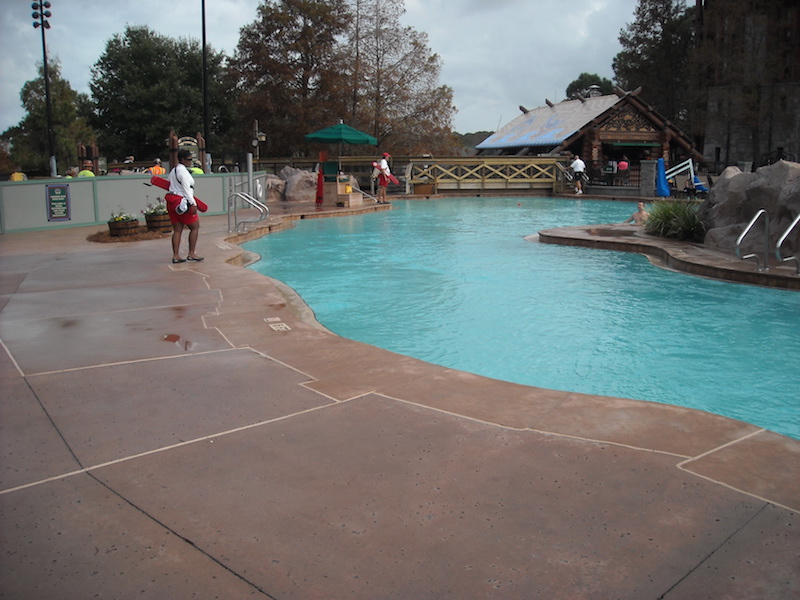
782 239
761 213
766 241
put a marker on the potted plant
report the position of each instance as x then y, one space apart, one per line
121 223
156 217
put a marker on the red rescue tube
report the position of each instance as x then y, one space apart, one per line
164 185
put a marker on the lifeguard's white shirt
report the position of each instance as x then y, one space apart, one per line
181 183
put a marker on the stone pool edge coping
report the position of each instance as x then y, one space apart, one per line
731 453
685 257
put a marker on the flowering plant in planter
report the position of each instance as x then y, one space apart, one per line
121 216
159 208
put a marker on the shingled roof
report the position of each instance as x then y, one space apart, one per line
621 119
548 125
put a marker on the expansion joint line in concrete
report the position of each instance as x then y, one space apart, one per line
182 538
712 552
12 359
683 467
53 423
39 402
128 362
277 361
115 311
211 437
534 430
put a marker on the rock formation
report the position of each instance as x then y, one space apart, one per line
301 186
736 197
275 189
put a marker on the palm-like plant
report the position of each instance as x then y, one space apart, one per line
676 220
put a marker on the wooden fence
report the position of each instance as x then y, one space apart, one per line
506 173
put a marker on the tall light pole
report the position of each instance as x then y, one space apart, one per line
205 87
40 16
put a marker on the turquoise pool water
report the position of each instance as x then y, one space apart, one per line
455 283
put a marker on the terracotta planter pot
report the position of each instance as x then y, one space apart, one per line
119 228
159 223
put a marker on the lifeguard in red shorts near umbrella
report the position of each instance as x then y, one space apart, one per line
384 177
182 208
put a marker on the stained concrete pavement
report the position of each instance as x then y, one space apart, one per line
188 431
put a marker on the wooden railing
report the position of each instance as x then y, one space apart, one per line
429 175
485 173
451 174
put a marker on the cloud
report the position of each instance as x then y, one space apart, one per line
496 54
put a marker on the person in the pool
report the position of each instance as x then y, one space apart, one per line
640 216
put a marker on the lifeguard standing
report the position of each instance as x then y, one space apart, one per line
384 176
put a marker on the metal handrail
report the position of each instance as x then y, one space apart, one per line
565 171
783 239
370 196
262 208
686 165
761 213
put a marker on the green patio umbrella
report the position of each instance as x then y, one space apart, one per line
343 134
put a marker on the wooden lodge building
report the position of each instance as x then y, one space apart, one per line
601 129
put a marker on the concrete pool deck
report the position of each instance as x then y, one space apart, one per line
179 431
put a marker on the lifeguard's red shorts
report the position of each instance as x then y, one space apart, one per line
383 180
187 218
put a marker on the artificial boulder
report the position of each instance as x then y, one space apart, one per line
275 189
736 197
301 186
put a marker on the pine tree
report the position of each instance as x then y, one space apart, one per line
655 55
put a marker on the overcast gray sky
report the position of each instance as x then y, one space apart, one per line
496 54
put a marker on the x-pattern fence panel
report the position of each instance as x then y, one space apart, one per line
489 173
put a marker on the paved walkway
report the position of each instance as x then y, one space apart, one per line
188 431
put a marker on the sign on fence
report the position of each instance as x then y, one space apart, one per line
58 208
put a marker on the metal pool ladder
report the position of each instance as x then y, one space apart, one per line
750 225
233 216
783 239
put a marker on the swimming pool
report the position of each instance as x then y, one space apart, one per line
455 283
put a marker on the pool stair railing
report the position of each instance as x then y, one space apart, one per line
370 196
234 224
763 265
780 242
759 266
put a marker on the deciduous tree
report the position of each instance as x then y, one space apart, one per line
289 73
28 141
396 95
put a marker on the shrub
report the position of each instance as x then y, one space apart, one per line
121 216
159 208
676 220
